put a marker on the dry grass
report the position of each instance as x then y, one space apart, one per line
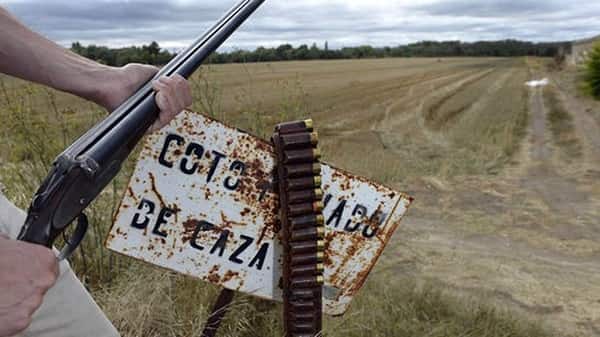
388 306
561 124
371 113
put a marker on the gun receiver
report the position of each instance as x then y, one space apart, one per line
81 172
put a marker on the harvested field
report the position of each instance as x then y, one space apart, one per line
503 236
410 108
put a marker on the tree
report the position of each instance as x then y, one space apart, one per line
153 54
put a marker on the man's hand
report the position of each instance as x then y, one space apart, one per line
27 271
173 93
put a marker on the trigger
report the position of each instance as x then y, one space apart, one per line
72 242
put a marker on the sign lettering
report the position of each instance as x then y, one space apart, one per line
201 202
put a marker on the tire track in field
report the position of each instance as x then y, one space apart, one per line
371 90
526 238
449 91
435 118
387 122
483 100
382 117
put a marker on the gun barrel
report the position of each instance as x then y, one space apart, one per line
139 112
210 41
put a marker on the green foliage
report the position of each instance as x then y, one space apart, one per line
286 52
152 54
148 54
592 74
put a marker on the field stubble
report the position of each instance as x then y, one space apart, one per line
413 123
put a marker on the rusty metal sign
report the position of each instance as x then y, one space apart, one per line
201 202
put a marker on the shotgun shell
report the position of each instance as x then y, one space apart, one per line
305 208
298 197
302 156
307 281
307 221
303 326
302 294
321 245
318 194
321 232
303 170
307 258
293 127
303 316
302 305
299 140
302 334
307 247
308 270
309 123
304 183
305 234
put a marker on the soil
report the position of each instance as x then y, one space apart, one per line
528 237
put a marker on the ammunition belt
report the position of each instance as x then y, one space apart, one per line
302 226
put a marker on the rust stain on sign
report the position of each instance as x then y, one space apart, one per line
201 202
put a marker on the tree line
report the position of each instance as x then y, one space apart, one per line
148 54
153 54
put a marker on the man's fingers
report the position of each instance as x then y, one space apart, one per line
47 258
173 96
175 91
164 97
165 103
183 89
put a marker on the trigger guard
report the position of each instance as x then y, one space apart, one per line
73 242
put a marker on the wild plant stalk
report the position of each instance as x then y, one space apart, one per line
207 94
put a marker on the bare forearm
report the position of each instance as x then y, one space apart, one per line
28 55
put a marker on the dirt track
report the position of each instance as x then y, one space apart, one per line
517 224
528 237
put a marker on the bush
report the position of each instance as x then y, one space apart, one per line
592 73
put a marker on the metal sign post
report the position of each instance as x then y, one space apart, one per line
219 311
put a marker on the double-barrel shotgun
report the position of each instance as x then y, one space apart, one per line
85 168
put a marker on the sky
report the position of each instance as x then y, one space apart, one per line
176 23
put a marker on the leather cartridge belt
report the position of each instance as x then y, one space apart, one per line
302 226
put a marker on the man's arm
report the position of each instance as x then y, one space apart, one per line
30 56
27 55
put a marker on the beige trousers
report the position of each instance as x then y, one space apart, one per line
68 309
